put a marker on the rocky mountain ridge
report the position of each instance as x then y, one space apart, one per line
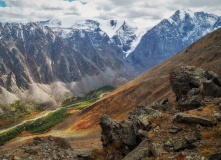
171 36
124 34
36 61
77 55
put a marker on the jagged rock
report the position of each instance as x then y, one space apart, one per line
218 116
63 143
86 155
179 145
141 110
50 138
37 140
140 152
156 149
142 134
193 119
140 117
16 158
112 130
127 133
217 101
216 156
193 99
24 156
167 107
119 136
31 151
189 141
175 129
191 84
168 146
164 101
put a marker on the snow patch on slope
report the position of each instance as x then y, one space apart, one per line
134 44
110 27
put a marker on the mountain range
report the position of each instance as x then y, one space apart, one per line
71 55
172 110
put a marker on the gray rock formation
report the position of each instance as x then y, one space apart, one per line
192 119
191 85
140 152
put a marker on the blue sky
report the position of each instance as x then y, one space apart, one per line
145 12
75 0
2 3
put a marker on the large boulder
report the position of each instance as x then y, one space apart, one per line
118 138
156 149
140 117
193 119
112 130
216 156
140 152
191 84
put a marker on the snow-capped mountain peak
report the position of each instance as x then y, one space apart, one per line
110 27
180 15
183 13
125 35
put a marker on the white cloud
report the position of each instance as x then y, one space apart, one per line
147 13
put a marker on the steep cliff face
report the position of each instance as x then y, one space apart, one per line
32 54
171 36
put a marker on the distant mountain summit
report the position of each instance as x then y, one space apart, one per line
171 36
124 34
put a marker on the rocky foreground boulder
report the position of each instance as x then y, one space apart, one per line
193 119
191 85
45 148
186 129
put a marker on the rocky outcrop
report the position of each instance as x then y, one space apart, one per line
186 142
193 119
191 85
140 117
156 149
216 156
140 152
133 139
42 148
125 136
120 137
156 130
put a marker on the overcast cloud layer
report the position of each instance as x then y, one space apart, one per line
148 12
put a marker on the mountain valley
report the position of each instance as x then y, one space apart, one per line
79 88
